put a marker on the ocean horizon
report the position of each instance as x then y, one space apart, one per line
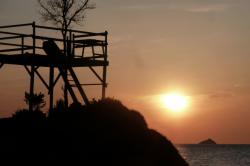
215 155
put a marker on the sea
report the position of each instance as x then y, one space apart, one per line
215 155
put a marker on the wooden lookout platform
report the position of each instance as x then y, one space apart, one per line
34 46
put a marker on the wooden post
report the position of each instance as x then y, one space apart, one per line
66 101
73 45
104 84
51 88
32 72
22 43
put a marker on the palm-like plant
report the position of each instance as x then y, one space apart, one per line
36 100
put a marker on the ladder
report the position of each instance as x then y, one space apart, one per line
52 50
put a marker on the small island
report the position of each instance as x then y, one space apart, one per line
208 142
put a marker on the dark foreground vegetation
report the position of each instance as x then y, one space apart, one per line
103 133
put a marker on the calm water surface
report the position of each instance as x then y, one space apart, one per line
216 155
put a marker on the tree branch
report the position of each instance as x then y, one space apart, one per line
64 12
48 15
79 10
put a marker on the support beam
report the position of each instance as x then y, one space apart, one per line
41 78
65 71
74 98
104 84
32 82
96 74
32 71
57 78
38 74
78 85
51 88
66 100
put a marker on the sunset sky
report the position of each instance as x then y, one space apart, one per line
200 48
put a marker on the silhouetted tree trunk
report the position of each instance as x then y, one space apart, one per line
63 13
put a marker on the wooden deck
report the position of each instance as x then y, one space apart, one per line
47 61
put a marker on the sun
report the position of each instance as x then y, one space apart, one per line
175 101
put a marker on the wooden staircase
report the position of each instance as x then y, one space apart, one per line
52 50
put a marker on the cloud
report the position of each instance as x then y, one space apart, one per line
220 95
213 95
198 7
209 8
142 7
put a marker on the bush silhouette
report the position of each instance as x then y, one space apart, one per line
105 132
25 114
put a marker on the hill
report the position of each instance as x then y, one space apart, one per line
103 133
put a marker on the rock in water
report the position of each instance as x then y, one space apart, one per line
208 142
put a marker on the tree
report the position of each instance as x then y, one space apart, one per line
64 12
36 100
